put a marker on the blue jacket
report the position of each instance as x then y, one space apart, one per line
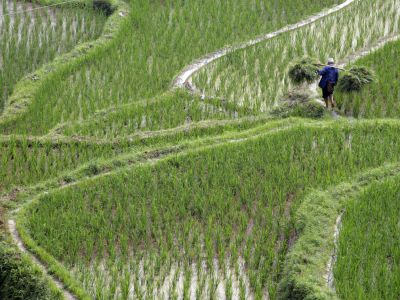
328 73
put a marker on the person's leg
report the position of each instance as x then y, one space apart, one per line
333 101
326 102
329 103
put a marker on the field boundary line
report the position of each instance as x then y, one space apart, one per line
182 79
309 265
271 126
382 42
57 130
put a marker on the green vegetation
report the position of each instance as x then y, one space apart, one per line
380 99
304 71
167 111
308 109
369 244
308 267
126 189
208 222
257 76
19 279
24 161
31 38
150 50
31 86
355 79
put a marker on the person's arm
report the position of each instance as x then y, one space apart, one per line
336 76
322 72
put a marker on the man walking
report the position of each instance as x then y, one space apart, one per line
330 77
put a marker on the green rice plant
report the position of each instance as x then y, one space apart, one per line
310 263
173 109
25 161
20 278
304 71
215 192
368 251
149 51
379 99
215 219
30 37
355 79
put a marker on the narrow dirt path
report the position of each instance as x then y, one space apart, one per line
330 278
20 244
182 80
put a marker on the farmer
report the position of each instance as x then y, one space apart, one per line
330 77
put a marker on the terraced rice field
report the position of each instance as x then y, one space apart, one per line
150 51
118 183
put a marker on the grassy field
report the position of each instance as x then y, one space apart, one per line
368 255
30 38
382 98
209 227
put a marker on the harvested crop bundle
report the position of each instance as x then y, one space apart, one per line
355 79
305 71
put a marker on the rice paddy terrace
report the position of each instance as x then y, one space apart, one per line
142 155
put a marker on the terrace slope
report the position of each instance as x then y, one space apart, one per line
382 98
256 76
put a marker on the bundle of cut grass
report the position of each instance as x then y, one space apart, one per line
304 71
355 79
